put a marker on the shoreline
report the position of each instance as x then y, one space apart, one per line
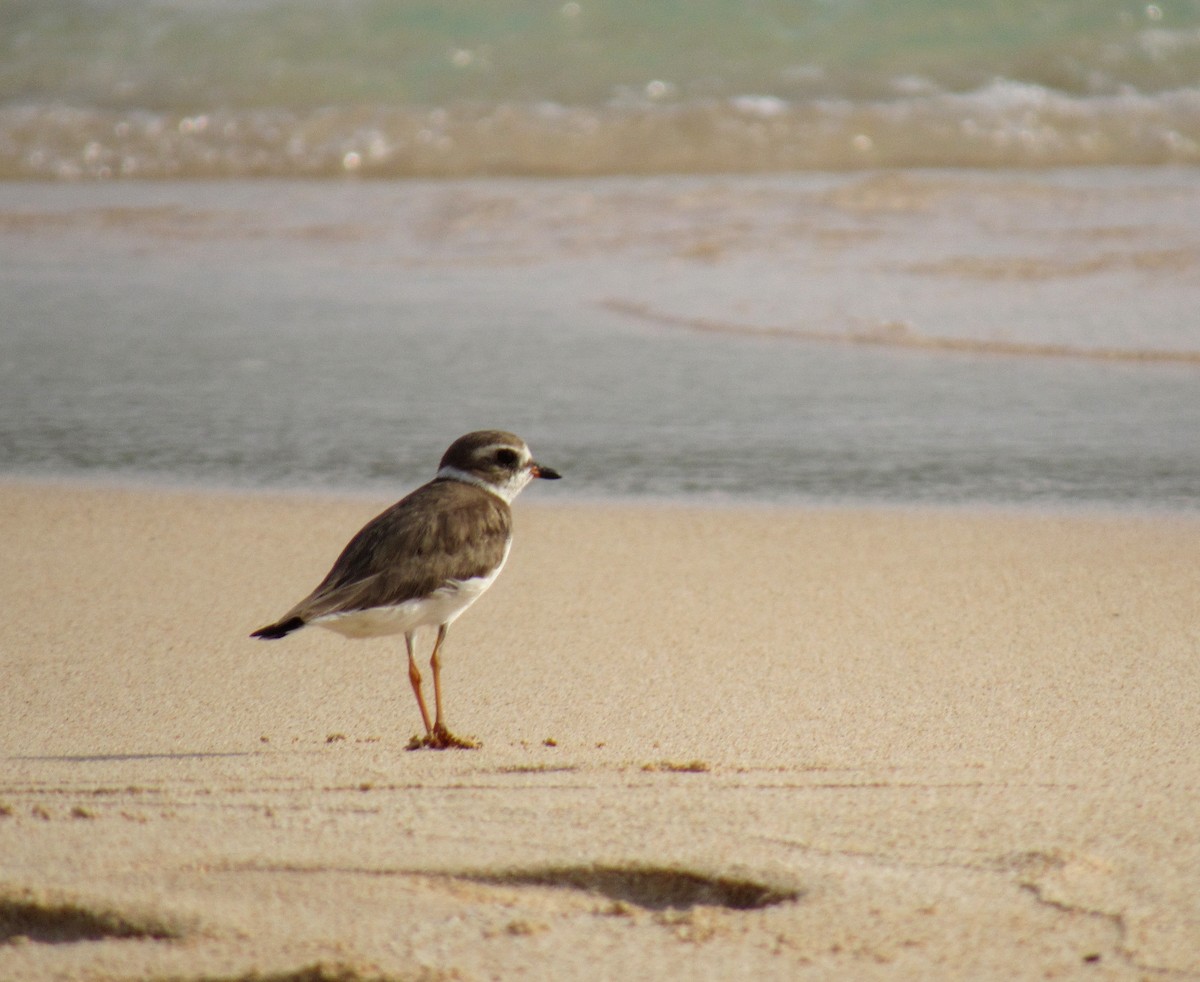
564 499
539 280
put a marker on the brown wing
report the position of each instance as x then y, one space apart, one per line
443 531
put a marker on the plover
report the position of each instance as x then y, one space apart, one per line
425 560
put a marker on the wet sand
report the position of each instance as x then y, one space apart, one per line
717 743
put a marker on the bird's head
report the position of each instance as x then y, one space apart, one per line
498 461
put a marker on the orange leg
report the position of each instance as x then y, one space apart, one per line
414 676
442 737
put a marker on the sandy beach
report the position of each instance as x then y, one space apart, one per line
717 743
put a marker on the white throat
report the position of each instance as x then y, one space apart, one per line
505 492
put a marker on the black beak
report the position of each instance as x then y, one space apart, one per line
549 473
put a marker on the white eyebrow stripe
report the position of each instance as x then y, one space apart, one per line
522 452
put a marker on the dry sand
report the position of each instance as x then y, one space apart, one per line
717 744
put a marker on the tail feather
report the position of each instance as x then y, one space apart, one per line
273 631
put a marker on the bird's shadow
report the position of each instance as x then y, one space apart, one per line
118 758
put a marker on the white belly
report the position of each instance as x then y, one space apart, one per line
443 606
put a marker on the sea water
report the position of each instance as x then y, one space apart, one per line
204 88
752 252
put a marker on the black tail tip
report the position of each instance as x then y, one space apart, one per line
274 631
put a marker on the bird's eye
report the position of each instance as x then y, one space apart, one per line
506 458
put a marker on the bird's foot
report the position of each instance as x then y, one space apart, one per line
441 739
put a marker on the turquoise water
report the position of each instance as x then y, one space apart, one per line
203 88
